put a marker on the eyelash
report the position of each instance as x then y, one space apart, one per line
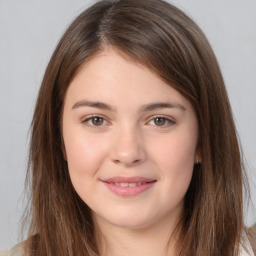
90 119
167 120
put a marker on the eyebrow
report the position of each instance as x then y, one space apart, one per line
144 108
93 104
161 105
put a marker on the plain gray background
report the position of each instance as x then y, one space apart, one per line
29 31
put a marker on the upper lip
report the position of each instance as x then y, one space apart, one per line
135 179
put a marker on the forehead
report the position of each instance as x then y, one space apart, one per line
114 77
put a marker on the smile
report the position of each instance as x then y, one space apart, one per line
131 185
127 187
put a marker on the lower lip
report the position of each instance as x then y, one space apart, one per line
129 191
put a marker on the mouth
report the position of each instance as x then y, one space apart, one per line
128 186
131 185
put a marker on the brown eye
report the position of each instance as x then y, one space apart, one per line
160 121
97 121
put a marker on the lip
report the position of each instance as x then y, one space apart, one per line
128 186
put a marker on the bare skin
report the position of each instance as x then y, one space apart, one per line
130 142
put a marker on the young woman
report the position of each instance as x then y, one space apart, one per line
133 147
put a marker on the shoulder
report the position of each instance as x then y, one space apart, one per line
252 237
17 250
246 249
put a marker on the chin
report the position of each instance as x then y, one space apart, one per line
135 221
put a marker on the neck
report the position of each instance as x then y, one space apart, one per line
154 240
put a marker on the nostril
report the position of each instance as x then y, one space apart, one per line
127 150
126 161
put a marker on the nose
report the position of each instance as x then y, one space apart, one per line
128 148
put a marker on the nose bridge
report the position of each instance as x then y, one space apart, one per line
128 147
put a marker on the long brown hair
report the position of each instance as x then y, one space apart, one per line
162 38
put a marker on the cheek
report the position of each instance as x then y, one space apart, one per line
84 154
84 157
175 159
175 152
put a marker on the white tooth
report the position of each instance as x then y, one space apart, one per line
132 185
138 184
124 184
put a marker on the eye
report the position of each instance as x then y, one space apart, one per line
95 121
161 121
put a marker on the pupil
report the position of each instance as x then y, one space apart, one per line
159 121
97 121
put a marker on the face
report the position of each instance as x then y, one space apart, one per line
130 142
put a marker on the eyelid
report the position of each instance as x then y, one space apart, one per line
86 119
171 121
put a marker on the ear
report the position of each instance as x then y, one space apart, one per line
198 157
